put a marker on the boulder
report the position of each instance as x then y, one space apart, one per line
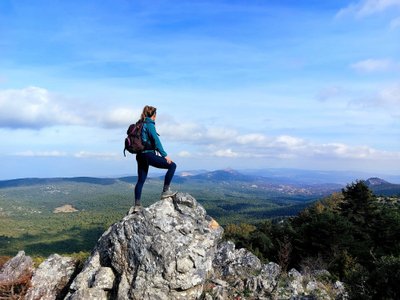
233 262
50 278
19 268
164 251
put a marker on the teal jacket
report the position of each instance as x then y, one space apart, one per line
150 138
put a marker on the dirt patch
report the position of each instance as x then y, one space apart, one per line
67 208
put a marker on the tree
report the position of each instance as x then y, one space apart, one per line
359 203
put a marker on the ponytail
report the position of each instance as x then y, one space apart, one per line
148 111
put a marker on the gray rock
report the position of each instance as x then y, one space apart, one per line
295 285
164 251
271 270
236 263
50 278
312 286
242 272
295 275
17 267
266 282
226 253
340 290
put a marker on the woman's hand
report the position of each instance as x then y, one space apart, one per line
169 160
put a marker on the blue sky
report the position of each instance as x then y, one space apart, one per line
241 84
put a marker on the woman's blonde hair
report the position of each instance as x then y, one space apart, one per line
148 111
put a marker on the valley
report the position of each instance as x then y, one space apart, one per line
87 206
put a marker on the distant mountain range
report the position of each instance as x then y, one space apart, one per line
291 182
315 176
377 185
36 181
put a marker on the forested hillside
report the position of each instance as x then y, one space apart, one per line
353 234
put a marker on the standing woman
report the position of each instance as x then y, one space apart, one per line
149 157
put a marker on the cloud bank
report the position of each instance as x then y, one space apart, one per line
36 108
230 143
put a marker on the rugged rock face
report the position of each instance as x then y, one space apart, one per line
163 252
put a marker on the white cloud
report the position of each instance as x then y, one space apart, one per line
30 153
225 153
96 155
309 150
368 7
252 139
184 154
289 147
37 108
33 107
118 117
176 131
374 65
342 151
80 154
227 142
289 142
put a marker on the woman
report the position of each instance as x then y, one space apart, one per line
149 157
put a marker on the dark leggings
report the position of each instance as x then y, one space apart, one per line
144 160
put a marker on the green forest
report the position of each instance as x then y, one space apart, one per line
353 234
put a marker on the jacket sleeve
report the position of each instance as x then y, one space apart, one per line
157 143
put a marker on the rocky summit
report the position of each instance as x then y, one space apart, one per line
164 251
171 250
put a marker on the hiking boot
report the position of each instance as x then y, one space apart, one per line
167 193
134 209
137 208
